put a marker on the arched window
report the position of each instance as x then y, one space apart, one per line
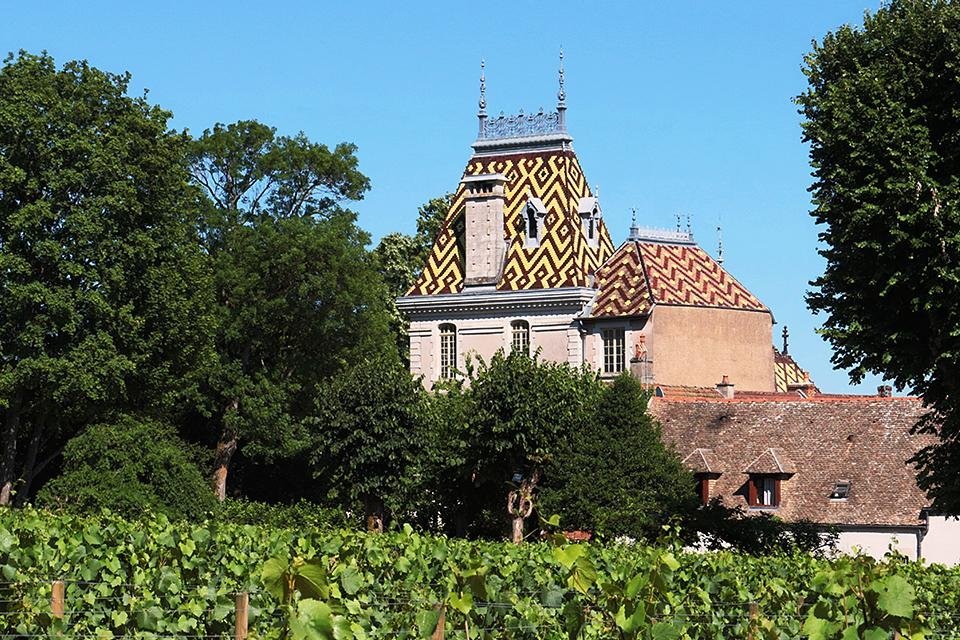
448 351
520 335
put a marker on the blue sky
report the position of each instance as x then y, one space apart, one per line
675 107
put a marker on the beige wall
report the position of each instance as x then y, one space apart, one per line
557 337
942 541
877 543
697 346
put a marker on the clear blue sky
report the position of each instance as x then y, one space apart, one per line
680 106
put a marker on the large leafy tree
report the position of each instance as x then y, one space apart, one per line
104 294
881 117
614 476
297 293
369 437
521 408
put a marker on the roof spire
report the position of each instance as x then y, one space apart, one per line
719 245
561 98
482 113
634 229
786 335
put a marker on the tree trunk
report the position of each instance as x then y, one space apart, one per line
11 425
375 515
30 460
226 446
520 505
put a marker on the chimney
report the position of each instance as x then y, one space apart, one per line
806 388
725 388
486 246
885 391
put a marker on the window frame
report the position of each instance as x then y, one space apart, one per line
756 489
520 328
448 351
614 334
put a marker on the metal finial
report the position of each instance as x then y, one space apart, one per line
719 246
561 94
689 228
786 335
483 88
678 223
634 229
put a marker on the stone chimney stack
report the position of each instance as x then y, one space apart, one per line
486 246
725 388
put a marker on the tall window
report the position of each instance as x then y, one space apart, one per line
531 223
520 336
763 491
614 360
448 351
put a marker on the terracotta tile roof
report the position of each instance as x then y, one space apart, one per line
643 273
564 257
865 440
772 461
701 461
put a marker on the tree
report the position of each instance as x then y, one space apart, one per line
130 465
297 293
522 409
400 258
614 476
881 119
369 435
104 294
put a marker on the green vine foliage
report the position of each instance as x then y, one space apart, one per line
153 578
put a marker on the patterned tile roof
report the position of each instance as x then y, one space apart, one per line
641 274
787 372
564 257
864 440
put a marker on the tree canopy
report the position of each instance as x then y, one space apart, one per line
106 298
881 119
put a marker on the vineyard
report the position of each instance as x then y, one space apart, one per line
158 579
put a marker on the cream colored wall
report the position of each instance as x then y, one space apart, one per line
593 341
697 346
942 541
556 336
877 543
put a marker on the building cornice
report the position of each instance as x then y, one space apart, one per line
566 298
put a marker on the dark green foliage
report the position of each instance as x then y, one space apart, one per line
106 298
130 465
298 296
367 426
613 475
298 515
881 117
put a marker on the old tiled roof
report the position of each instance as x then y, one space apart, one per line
643 273
771 461
564 257
865 440
701 461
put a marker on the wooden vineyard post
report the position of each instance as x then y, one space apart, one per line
441 623
754 613
242 604
56 600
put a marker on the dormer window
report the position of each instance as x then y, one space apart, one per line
589 211
533 215
841 490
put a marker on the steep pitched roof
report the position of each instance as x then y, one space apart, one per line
865 440
645 272
786 371
564 257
